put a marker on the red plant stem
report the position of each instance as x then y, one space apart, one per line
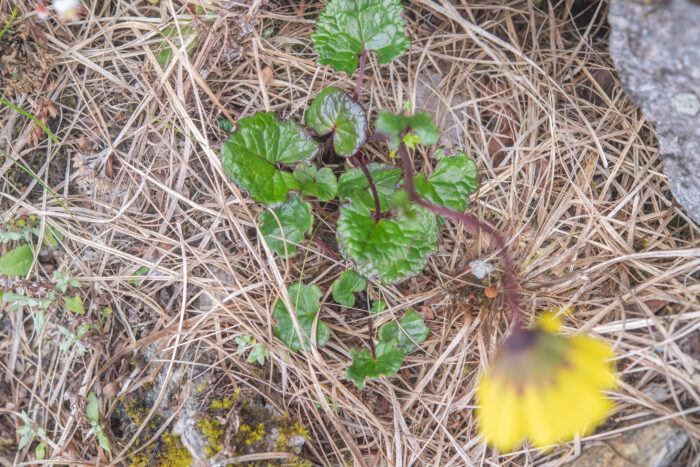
361 73
370 328
326 248
474 226
359 161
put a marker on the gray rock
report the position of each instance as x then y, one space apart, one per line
655 445
656 50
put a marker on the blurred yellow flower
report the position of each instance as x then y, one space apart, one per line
544 387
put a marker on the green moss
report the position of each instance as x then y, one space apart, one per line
174 453
166 451
212 432
250 436
135 411
138 460
221 404
289 428
257 425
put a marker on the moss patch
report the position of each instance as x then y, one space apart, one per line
258 429
174 453
288 429
167 450
213 434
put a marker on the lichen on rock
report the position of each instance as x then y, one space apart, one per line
655 49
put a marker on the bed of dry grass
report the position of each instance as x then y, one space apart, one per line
577 188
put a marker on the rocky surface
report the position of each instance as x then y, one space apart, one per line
654 445
655 49
212 425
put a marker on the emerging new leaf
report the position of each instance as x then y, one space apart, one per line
394 125
393 249
321 184
344 288
252 155
409 331
451 183
332 111
348 27
305 300
353 185
295 217
363 366
17 262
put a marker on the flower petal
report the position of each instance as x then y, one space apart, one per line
500 421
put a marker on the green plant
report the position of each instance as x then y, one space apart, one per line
75 338
142 271
63 281
48 295
92 411
306 306
396 339
16 301
185 35
387 236
18 260
257 351
28 432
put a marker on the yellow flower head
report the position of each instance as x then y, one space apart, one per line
544 387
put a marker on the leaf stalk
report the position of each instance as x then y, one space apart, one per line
361 73
359 161
511 286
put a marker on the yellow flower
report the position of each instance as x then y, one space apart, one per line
544 387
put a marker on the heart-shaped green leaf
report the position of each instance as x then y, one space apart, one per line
394 125
17 262
393 249
347 27
294 216
451 183
363 366
353 185
409 331
252 156
332 111
321 184
345 287
305 300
